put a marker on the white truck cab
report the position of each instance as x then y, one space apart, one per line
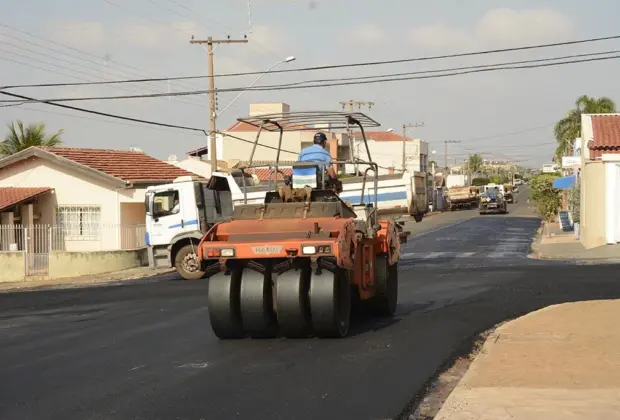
177 217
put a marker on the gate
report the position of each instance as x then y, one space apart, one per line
37 245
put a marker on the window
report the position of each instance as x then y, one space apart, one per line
79 222
165 203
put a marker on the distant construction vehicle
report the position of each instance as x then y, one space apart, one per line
492 200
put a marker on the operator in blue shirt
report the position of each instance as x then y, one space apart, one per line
303 177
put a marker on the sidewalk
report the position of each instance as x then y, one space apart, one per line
554 244
129 276
561 362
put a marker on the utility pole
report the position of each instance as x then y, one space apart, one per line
350 104
446 142
210 41
405 127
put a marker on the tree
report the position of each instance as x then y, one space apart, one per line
569 128
479 182
546 197
21 138
475 163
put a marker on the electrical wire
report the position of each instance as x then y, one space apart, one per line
94 60
448 73
138 120
361 64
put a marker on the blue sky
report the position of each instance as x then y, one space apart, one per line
117 39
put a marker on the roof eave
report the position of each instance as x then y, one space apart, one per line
61 161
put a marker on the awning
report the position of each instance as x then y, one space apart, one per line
11 196
563 183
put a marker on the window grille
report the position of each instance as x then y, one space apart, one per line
79 222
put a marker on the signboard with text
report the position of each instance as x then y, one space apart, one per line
571 162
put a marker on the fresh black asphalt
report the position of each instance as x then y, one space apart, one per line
147 351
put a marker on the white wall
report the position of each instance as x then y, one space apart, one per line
390 154
194 165
72 189
238 149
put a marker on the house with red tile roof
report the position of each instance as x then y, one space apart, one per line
599 179
88 200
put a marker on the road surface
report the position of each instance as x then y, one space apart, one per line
147 352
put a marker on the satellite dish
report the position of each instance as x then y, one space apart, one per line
172 158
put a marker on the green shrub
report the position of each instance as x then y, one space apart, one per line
546 197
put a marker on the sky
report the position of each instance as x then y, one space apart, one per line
504 114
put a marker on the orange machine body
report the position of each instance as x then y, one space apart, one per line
324 238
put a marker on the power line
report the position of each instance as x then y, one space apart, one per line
265 88
90 74
138 120
133 69
361 64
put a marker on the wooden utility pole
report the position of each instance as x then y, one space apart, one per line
446 142
350 104
405 127
210 41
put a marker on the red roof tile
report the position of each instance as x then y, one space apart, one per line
606 133
126 165
381 136
10 196
264 173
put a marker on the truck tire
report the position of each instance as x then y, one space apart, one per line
187 264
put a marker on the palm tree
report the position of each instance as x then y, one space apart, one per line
475 163
569 128
21 138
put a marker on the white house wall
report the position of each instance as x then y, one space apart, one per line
241 149
72 190
389 154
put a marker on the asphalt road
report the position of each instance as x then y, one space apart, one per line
147 352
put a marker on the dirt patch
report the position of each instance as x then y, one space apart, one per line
426 404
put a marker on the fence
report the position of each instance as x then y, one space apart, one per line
37 241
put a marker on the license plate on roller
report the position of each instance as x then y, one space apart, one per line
267 249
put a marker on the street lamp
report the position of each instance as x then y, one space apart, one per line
286 60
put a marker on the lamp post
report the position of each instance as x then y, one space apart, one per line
286 60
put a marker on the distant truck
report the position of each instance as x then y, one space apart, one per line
508 193
462 197
460 194
492 200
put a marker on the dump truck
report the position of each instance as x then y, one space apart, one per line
292 265
177 216
462 197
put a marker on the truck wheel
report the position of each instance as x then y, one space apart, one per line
187 264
